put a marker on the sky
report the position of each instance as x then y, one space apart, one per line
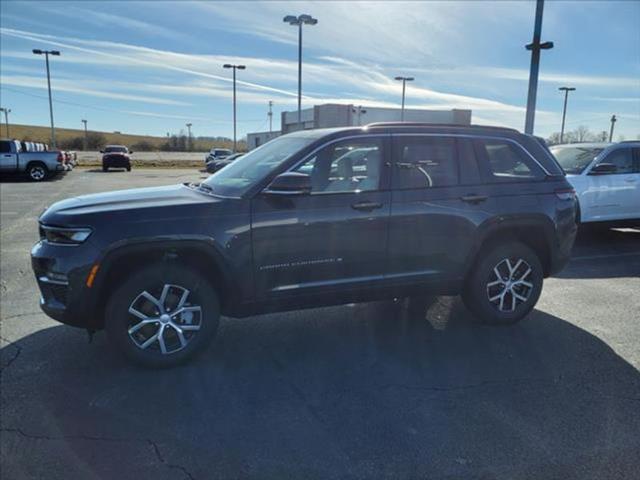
151 67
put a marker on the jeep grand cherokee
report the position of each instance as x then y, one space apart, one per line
312 218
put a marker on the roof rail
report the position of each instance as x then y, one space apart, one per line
426 124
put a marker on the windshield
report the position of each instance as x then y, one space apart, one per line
115 150
237 178
575 159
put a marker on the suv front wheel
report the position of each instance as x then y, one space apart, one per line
505 284
162 315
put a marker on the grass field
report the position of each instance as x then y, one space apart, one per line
42 134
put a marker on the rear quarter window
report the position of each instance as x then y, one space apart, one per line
504 161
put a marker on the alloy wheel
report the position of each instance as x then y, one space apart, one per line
164 320
509 284
37 173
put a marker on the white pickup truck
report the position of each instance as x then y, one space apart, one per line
37 165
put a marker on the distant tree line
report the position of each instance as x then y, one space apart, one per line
95 141
582 134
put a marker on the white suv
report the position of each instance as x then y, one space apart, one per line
606 177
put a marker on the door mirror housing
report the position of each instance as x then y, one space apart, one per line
603 169
290 183
101 151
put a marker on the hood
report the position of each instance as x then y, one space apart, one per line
77 210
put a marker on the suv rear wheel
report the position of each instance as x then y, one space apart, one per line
505 284
162 315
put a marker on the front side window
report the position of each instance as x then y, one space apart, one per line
425 162
348 166
621 158
239 176
506 161
5 147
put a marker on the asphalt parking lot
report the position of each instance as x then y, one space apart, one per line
377 390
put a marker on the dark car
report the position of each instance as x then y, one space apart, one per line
116 156
214 165
217 154
478 211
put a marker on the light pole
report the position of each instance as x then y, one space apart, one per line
613 122
6 111
85 146
46 54
404 81
270 115
299 21
234 67
189 135
566 91
535 48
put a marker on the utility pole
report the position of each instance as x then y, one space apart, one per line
190 145
270 115
6 111
46 54
298 22
85 145
535 48
234 67
613 122
564 110
404 81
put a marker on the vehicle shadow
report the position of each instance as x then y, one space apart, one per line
111 170
604 252
22 178
377 390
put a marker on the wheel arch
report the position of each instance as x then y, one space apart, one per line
534 231
202 255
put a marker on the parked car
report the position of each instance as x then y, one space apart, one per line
482 211
217 154
37 165
214 165
116 156
606 177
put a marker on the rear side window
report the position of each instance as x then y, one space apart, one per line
506 162
5 147
424 162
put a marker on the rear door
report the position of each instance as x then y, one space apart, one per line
334 238
613 196
437 203
8 156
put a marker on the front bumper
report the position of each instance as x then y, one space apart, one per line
116 162
61 273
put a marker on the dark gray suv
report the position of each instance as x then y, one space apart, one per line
312 218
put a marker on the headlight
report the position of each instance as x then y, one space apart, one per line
64 236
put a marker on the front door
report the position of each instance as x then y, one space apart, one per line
613 196
334 238
8 158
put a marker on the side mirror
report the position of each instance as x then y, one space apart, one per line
101 151
130 152
290 183
603 169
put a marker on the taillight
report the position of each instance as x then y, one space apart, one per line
565 193
60 157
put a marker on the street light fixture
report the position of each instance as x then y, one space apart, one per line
6 111
404 81
46 54
298 21
234 67
86 142
566 91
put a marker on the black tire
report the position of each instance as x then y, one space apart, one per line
105 168
153 279
478 291
37 172
129 168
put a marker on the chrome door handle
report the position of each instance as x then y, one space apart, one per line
366 206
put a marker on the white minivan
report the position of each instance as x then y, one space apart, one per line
606 177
